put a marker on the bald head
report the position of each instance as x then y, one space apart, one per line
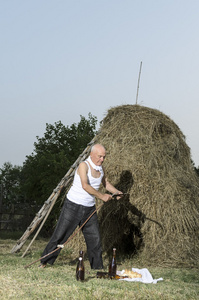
97 147
98 153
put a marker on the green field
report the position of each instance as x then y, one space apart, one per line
59 282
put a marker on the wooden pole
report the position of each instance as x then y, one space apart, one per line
70 238
138 83
1 203
43 222
66 180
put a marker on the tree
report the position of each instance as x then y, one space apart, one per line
53 155
10 180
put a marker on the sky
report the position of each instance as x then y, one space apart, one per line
65 58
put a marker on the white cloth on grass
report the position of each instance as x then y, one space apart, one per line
146 276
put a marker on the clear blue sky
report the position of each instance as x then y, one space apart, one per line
61 59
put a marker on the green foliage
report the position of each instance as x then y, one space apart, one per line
51 158
53 155
10 181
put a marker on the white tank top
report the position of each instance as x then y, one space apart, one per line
78 195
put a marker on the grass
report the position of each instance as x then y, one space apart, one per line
59 282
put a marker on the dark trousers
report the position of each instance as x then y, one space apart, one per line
71 216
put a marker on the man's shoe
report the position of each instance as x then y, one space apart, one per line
41 266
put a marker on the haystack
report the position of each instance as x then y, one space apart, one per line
148 158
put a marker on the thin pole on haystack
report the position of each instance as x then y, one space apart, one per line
48 205
138 83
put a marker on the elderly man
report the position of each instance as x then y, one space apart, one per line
79 205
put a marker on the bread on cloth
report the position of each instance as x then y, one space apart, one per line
131 274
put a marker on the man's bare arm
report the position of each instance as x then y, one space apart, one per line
82 171
109 187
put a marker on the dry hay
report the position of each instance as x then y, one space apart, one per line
148 158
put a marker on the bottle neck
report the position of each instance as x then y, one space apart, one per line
114 252
81 254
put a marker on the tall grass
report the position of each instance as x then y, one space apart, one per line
59 282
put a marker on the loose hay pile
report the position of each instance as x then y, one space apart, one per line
147 157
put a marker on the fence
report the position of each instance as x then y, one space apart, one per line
17 217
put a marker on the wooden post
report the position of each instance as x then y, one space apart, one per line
66 180
1 204
138 83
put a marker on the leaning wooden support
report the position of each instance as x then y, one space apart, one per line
49 203
40 227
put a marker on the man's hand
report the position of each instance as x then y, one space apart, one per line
118 195
106 197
